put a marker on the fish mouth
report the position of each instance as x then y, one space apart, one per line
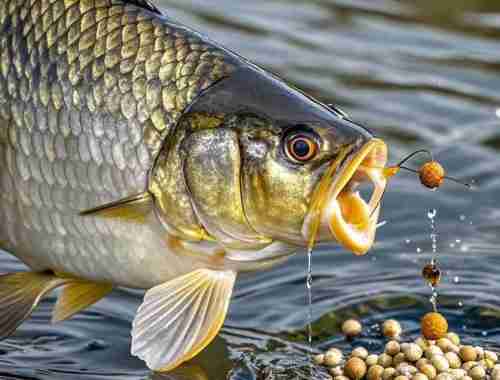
346 212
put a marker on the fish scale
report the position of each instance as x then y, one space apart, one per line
89 90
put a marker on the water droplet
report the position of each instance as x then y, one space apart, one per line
484 333
407 241
419 250
497 112
456 279
431 213
452 245
458 241
462 217
460 304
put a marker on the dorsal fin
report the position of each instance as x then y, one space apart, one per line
146 4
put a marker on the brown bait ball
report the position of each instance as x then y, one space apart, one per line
355 368
434 326
431 174
432 274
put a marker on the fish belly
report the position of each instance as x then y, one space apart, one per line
89 91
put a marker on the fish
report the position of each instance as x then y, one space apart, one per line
136 152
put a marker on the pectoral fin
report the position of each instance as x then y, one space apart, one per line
77 296
20 293
181 317
134 208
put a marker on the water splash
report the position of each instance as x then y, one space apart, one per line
309 281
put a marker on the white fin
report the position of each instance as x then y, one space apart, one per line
180 318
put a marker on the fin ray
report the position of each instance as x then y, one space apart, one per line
133 208
77 296
176 334
20 293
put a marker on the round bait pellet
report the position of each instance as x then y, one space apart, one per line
468 353
428 370
319 359
431 351
401 377
434 326
355 368
479 352
422 342
341 377
392 348
375 372
398 359
336 371
371 360
477 372
385 360
444 344
444 376
413 352
453 359
440 363
351 328
454 338
431 174
422 361
419 376
389 373
468 365
333 357
457 373
360 352
391 328
491 356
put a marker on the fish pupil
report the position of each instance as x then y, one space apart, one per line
301 148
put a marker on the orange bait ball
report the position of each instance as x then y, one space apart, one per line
431 174
434 326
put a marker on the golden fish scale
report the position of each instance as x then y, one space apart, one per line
89 90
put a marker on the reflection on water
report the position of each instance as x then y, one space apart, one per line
421 75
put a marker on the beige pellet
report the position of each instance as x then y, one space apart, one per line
375 372
491 356
422 342
355 368
385 360
371 359
428 370
319 359
468 353
453 359
486 363
389 373
351 328
477 372
401 377
341 377
454 338
468 365
444 376
432 351
419 376
466 378
336 371
406 369
413 352
392 347
391 329
398 359
479 352
360 352
333 357
440 363
495 374
444 344
457 373
420 362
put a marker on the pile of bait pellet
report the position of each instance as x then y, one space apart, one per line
423 359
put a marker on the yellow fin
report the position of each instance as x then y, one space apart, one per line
76 296
180 318
20 293
133 208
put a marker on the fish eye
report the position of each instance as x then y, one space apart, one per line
301 147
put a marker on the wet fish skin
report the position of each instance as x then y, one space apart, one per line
89 90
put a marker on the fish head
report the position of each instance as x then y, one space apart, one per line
264 163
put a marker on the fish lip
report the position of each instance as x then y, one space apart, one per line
355 230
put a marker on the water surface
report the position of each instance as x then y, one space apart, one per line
420 74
